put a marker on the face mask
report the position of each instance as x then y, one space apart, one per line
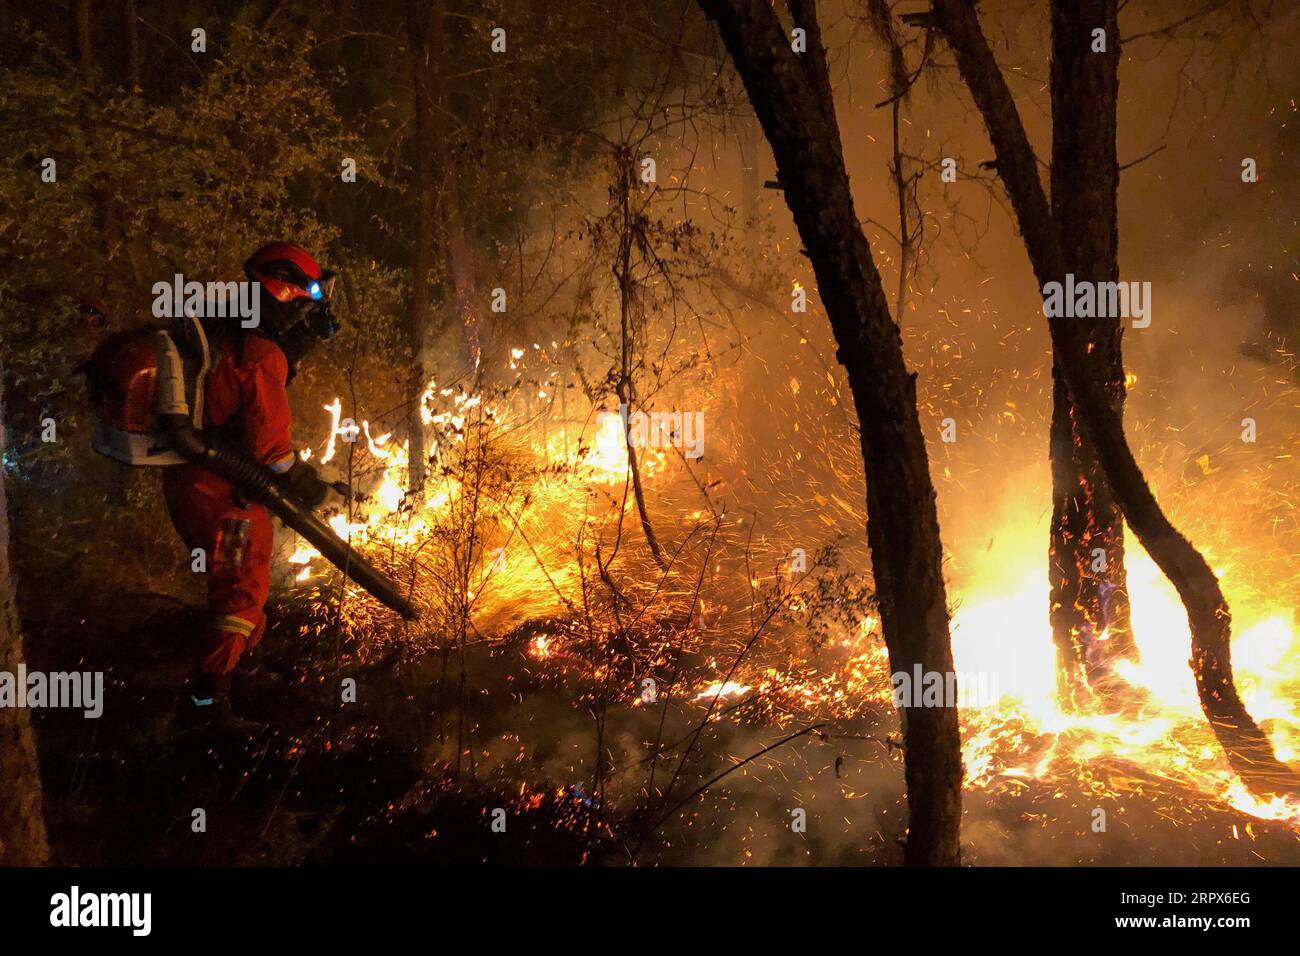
320 320
296 342
305 316
309 323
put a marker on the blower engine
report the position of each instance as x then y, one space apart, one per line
122 377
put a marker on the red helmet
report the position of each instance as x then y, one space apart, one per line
289 272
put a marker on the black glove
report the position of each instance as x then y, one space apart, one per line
303 483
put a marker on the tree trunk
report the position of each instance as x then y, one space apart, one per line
85 46
340 18
882 21
461 268
22 824
1089 598
420 24
1247 749
628 341
750 185
131 33
791 95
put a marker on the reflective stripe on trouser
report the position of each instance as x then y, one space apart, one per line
200 505
226 639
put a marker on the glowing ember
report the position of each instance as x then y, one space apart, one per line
723 690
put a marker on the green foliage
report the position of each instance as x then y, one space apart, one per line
146 190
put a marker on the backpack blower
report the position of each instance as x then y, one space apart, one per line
142 415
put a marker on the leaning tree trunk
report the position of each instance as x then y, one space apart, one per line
791 95
1247 748
1089 596
22 825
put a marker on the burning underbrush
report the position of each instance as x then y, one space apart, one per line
737 657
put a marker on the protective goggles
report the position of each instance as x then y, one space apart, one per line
321 289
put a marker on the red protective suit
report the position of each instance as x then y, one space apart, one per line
245 403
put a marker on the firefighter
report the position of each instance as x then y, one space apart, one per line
246 407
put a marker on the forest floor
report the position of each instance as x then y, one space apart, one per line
393 777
